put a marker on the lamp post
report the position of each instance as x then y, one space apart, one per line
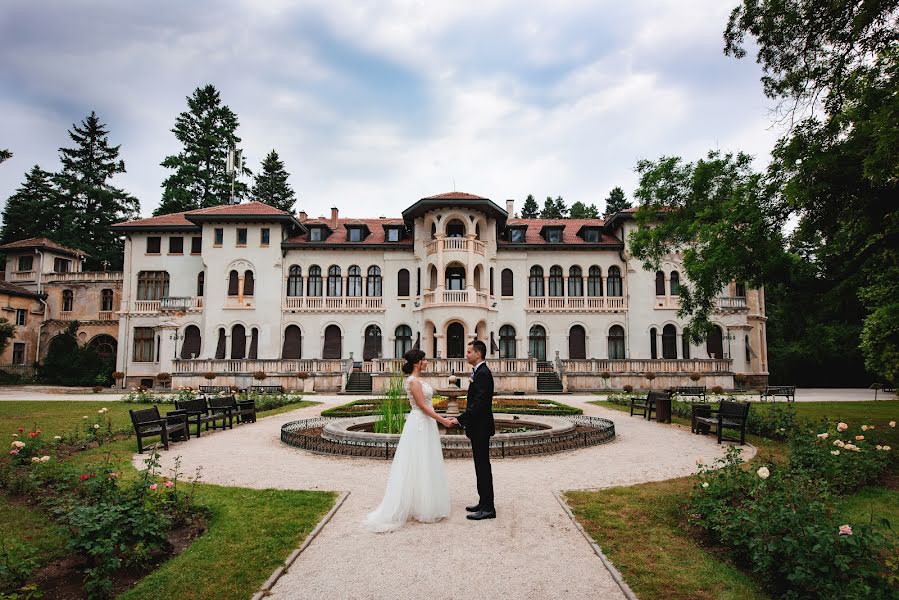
175 336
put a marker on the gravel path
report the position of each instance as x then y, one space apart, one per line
532 550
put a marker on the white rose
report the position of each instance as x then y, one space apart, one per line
705 484
886 448
96 426
763 472
45 459
34 459
57 437
835 452
84 417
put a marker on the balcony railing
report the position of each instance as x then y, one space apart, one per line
453 365
22 276
327 303
167 304
641 365
248 366
455 244
83 276
577 303
145 306
731 303
465 297
107 315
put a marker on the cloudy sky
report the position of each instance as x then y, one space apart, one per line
373 105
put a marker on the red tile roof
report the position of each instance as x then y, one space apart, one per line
455 196
377 235
169 220
181 219
569 233
16 290
42 242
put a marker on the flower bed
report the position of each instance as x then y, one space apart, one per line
520 406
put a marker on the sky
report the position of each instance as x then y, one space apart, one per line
373 105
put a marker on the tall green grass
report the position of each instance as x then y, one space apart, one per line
392 407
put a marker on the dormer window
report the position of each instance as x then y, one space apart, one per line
553 235
393 234
315 234
590 235
354 234
517 235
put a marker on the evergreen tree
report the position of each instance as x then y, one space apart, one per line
271 184
616 202
579 210
530 210
554 209
89 204
33 210
207 130
5 155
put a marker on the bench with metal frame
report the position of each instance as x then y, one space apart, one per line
730 415
148 422
266 389
229 407
198 412
690 391
772 391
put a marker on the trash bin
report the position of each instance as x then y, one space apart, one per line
663 409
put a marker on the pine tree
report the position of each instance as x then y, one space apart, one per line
5 155
554 209
33 210
206 132
271 184
616 202
89 204
579 210
530 210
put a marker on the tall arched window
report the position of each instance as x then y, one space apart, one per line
740 289
535 281
335 283
152 285
575 281
675 283
685 343
507 342
577 343
371 347
233 283
106 300
616 342
403 341
293 342
537 342
613 282
190 347
669 341
594 281
491 281
295 281
402 283
653 344
556 283
333 347
714 343
254 344
354 281
373 283
220 344
660 283
238 342
249 283
201 284
507 287
455 229
68 300
314 285
748 350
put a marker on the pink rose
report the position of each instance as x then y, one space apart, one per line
14 452
859 437
845 530
892 423
153 486
842 426
169 484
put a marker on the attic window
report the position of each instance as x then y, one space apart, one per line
554 235
516 235
591 235
315 234
393 234
354 234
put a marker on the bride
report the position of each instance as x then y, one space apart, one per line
417 486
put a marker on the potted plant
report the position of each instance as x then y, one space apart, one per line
117 375
628 389
209 376
302 375
605 376
740 381
259 375
695 377
649 375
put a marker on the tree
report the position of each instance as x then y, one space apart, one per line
530 210
271 184
579 210
7 332
616 202
68 363
207 130
33 210
554 209
89 203
5 155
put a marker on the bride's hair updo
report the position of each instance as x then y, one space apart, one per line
413 357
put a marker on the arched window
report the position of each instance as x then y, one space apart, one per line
491 281
106 300
68 300
575 281
371 348
433 230
537 342
249 283
152 285
220 344
675 283
333 347
616 342
669 341
714 343
201 284
653 344
577 343
477 278
740 289
535 282
507 343
373 283
233 283
335 283
402 283
594 281
354 281
685 343
455 278
660 283
455 229
613 282
190 347
295 281
507 287
455 340
418 281
748 351
238 342
314 285
254 344
293 342
403 341
556 283
105 346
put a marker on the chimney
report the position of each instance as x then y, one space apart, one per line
510 207
302 216
334 217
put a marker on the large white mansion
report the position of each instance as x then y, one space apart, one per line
240 289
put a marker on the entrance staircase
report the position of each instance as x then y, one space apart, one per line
548 381
358 383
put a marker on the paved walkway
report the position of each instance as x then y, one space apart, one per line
532 550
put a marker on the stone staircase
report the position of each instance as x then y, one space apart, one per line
547 380
358 383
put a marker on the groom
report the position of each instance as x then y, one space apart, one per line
478 423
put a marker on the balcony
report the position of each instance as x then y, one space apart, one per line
330 304
577 303
731 303
455 244
83 276
453 365
248 366
167 304
643 365
456 297
22 276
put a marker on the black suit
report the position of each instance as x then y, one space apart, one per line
479 426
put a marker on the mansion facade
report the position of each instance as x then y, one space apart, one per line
215 296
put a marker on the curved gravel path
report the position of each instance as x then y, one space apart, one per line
532 550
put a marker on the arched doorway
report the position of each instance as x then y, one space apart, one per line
190 347
455 340
537 342
333 347
238 342
714 344
372 346
577 343
669 342
293 342
105 346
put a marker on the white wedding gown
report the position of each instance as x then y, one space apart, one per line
416 487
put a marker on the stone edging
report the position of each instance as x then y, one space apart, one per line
616 575
266 587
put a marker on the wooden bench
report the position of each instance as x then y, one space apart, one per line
197 411
215 389
148 423
690 391
730 415
647 405
229 407
267 389
772 391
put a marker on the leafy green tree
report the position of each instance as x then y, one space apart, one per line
579 210
33 210
7 332
554 209
530 210
271 184
616 202
68 363
89 203
207 130
5 155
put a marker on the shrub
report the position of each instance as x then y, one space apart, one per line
259 375
163 376
695 376
209 376
97 389
717 389
117 375
70 363
628 388
302 375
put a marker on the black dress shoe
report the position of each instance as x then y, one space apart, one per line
481 515
475 508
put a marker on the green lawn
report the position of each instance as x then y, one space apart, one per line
250 532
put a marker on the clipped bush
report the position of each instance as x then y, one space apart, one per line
209 376
302 375
695 376
117 375
97 388
259 375
628 388
163 376
717 389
